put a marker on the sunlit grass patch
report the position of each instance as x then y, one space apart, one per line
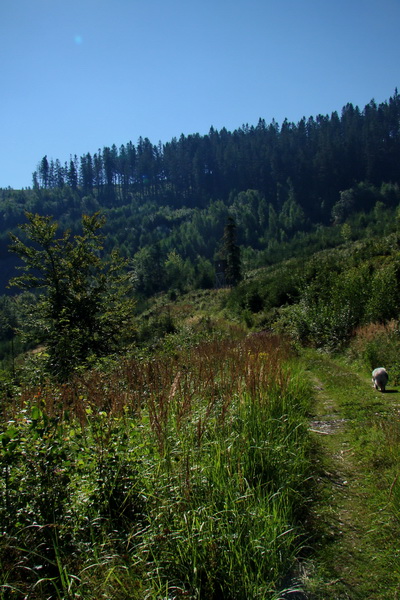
185 476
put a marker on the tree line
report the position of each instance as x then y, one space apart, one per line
167 205
311 161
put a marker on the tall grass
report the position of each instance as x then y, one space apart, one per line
182 477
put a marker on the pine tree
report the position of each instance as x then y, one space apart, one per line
231 253
43 170
72 175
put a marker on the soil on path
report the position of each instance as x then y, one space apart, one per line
357 544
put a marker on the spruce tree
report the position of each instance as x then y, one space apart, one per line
85 301
231 253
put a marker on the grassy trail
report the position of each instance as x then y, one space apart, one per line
358 530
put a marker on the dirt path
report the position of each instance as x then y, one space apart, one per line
356 546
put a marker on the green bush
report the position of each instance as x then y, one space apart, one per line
377 345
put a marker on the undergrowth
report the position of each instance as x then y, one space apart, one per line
185 476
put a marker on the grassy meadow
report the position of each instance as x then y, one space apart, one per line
186 474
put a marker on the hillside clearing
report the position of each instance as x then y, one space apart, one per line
354 516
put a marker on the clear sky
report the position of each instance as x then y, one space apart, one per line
78 75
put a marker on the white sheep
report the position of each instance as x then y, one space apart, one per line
380 378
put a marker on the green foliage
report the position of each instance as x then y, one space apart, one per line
383 301
154 329
148 273
85 299
307 164
184 476
378 345
230 252
178 273
204 274
282 185
340 291
322 300
292 215
228 255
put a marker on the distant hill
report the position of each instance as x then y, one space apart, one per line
280 183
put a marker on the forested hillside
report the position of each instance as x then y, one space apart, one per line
157 438
308 162
166 205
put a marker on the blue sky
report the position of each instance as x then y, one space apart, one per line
78 75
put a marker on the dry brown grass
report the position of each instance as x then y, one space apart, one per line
367 333
214 373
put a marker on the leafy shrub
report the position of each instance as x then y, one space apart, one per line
278 287
320 324
156 328
378 345
341 291
383 301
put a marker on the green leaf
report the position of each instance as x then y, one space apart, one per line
36 413
8 435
